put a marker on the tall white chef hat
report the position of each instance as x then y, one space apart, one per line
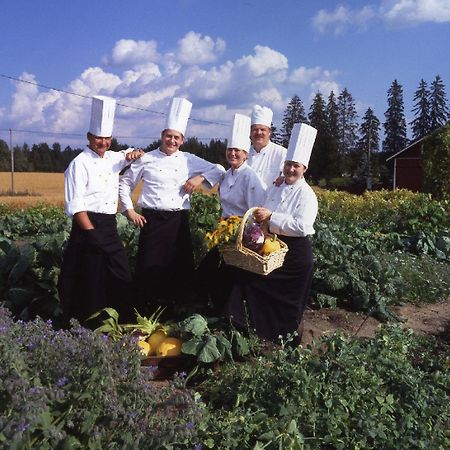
240 133
262 115
178 116
301 143
102 116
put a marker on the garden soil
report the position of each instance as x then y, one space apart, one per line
430 319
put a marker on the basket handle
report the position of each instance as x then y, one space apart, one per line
248 214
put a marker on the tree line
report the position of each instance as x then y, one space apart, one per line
347 150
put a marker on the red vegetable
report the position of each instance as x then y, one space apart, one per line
253 237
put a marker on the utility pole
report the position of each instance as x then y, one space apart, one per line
12 161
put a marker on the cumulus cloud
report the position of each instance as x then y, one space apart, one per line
143 90
304 76
265 61
342 18
28 105
403 12
197 49
128 52
415 11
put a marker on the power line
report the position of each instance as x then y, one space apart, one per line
90 97
82 135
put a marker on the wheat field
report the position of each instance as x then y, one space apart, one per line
33 188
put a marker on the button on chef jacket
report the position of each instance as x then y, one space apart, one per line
294 208
92 183
163 178
268 163
240 190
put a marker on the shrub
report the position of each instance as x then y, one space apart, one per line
390 393
77 389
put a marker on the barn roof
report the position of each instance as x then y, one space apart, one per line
406 148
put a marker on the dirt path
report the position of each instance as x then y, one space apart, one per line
431 319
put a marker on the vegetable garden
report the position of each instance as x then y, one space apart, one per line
82 389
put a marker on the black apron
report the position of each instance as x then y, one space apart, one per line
95 272
165 261
273 304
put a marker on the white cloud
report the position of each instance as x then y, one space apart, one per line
128 52
28 105
195 49
324 87
392 11
265 61
342 18
304 76
416 11
146 87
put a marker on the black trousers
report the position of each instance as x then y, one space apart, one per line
273 304
95 272
165 261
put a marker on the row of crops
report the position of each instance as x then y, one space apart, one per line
371 252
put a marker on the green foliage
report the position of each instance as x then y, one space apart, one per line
75 389
436 163
390 392
28 223
29 275
204 216
357 241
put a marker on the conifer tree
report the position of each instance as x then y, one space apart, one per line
318 119
439 112
294 112
333 163
368 144
348 127
421 125
395 124
275 135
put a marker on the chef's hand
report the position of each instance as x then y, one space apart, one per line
136 218
134 154
279 181
191 184
262 215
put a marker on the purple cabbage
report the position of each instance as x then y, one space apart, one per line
253 237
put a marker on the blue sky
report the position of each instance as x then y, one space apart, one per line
224 56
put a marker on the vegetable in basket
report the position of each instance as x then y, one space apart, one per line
253 237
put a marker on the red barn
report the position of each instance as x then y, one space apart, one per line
408 172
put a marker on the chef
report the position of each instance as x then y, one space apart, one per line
95 271
265 157
241 188
165 263
273 305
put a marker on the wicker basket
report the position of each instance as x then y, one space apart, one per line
239 256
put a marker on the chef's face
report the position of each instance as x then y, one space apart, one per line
260 136
99 144
293 171
171 141
235 157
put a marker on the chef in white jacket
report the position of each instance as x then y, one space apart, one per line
265 157
165 263
95 272
274 304
241 188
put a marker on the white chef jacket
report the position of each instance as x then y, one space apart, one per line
163 177
268 163
92 183
294 208
240 190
